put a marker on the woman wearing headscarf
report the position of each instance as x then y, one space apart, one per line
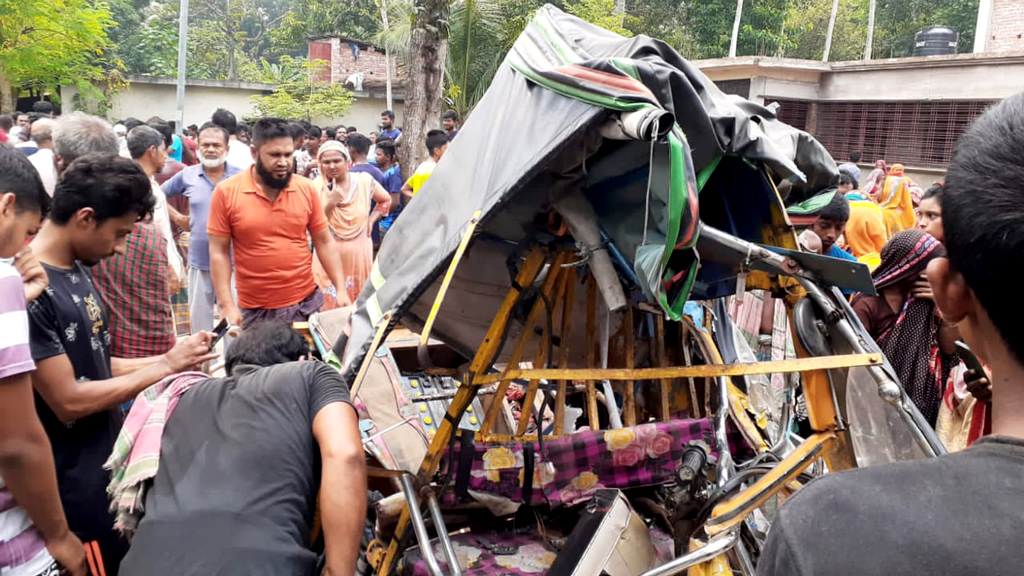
346 197
897 202
873 183
905 322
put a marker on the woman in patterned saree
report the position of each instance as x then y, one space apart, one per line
896 201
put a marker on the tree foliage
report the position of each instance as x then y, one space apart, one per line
302 95
47 43
599 12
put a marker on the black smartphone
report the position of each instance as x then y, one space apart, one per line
219 332
970 359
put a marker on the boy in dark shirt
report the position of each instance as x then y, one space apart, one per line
97 202
960 514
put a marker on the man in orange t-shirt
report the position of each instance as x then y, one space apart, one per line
264 214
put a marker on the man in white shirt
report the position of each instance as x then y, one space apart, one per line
42 135
239 153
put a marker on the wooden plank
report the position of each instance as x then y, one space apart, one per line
702 371
591 329
531 389
563 349
628 399
664 384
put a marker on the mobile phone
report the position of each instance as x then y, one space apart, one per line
219 332
970 359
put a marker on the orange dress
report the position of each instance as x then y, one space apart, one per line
349 226
897 204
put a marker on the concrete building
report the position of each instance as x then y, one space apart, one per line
906 110
360 67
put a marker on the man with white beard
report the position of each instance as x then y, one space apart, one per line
197 183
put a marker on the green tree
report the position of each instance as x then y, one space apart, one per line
47 43
357 19
898 21
302 96
807 22
599 12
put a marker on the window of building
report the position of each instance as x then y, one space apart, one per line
793 112
919 134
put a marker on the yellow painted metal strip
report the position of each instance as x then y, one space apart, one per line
466 236
703 371
376 277
373 310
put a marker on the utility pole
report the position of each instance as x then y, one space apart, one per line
831 29
387 55
735 29
182 59
871 30
981 31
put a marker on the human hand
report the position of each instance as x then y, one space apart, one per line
32 274
922 289
181 221
334 196
173 282
232 313
979 386
69 553
190 352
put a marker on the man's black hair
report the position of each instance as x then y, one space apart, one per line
42 107
451 115
108 183
934 191
297 130
340 128
6 122
314 132
983 214
436 139
193 127
845 178
837 210
130 123
226 120
331 133
266 344
358 143
387 145
211 126
389 114
141 139
305 124
20 177
855 156
164 129
351 130
267 129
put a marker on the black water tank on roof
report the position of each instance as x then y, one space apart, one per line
936 41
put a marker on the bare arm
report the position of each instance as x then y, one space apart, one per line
26 464
407 190
383 200
220 274
342 486
55 381
331 261
178 219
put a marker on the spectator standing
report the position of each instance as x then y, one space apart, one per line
25 123
314 138
387 161
96 204
266 215
851 167
865 230
42 160
301 158
387 126
34 533
137 284
896 201
240 155
450 122
196 183
437 145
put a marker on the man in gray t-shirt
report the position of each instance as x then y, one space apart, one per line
960 514
242 461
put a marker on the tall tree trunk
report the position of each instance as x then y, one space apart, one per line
736 29
871 30
7 100
831 29
424 98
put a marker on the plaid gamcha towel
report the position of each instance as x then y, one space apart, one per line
133 463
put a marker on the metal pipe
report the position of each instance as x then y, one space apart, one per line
716 546
442 535
182 64
419 526
725 463
745 560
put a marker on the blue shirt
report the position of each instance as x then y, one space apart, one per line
393 184
176 148
394 133
377 175
194 183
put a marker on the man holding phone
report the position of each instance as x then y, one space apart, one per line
958 514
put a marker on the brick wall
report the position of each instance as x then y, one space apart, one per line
1006 31
370 61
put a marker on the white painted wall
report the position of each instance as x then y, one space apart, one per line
966 82
144 100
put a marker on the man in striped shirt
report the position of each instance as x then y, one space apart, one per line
34 535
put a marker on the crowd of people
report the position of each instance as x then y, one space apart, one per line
106 230
262 224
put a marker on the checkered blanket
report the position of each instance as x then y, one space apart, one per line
136 457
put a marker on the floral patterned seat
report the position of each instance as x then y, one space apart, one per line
569 470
